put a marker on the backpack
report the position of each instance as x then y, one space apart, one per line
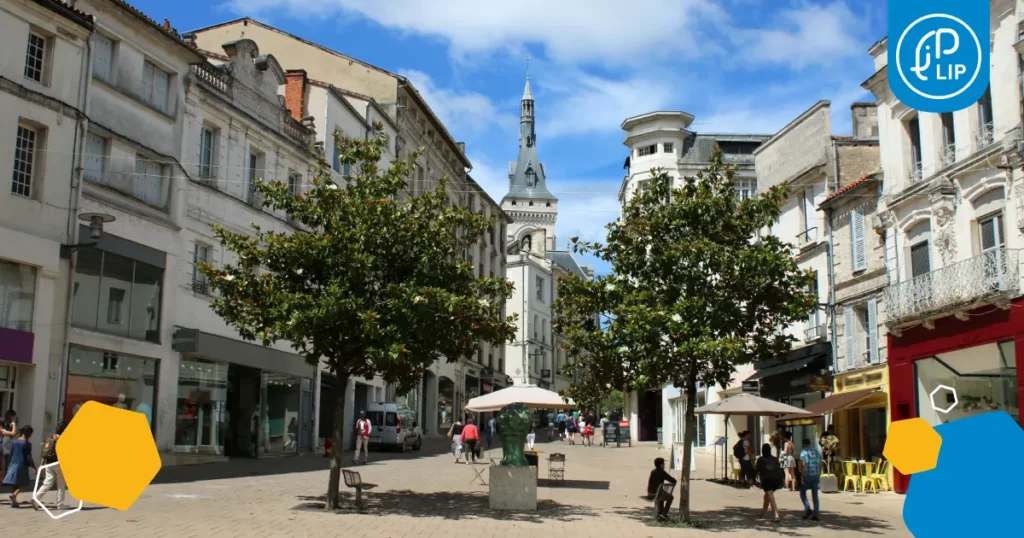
738 450
50 449
771 470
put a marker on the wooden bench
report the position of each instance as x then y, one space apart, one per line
355 481
664 492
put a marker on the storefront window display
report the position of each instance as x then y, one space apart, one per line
445 403
984 378
110 378
279 428
17 296
202 407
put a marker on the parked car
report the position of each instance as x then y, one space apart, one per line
393 427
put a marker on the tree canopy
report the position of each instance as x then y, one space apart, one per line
696 288
372 283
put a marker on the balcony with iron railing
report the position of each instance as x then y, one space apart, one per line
948 157
992 277
915 174
986 136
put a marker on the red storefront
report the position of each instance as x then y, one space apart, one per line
979 354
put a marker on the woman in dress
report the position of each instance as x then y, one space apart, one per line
531 438
769 471
8 431
789 460
21 461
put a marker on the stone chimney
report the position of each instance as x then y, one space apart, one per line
295 93
865 120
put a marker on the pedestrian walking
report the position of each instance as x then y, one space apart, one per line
560 421
8 431
363 429
293 433
789 461
455 434
18 474
531 437
769 471
54 478
573 428
492 427
810 478
470 438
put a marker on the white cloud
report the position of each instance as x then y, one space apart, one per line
803 36
458 111
491 177
757 115
587 103
603 31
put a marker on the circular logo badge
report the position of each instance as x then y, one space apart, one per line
938 56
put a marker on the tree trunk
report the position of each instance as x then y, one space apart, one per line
338 447
688 427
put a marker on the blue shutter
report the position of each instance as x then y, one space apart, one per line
334 164
872 320
848 335
859 256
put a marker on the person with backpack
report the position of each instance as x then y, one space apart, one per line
743 453
810 475
54 478
769 471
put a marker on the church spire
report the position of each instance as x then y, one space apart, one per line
526 174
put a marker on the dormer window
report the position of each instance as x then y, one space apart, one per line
531 178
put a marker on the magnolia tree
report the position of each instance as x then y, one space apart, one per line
373 284
695 290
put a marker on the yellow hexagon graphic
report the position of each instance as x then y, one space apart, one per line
108 455
912 446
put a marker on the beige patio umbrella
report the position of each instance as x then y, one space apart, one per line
748 405
529 395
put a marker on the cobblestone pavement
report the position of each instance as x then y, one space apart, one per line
424 495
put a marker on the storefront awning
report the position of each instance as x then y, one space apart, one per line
836 402
783 368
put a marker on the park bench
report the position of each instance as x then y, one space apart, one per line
665 490
355 481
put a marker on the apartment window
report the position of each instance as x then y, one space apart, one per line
858 253
948 139
669 148
647 150
110 361
295 183
155 86
25 159
746 188
255 165
102 57
200 255
914 134
117 295
17 296
540 288
420 185
35 57
471 203
990 231
94 158
919 259
986 131
206 143
151 182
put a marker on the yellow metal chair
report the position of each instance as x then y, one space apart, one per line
851 475
880 478
735 468
867 479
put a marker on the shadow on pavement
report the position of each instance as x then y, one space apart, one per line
733 518
243 467
573 484
453 505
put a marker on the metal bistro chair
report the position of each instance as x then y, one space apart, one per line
355 481
664 492
556 467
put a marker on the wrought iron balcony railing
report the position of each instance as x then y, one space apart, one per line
986 135
915 174
948 155
986 278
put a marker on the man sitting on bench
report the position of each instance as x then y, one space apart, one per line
658 477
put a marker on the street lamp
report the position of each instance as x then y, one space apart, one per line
96 222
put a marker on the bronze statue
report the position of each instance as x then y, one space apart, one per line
513 425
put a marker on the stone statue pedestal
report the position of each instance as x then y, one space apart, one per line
513 488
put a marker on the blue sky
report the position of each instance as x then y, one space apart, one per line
738 65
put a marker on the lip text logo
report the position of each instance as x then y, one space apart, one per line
940 56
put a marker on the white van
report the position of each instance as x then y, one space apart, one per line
393 427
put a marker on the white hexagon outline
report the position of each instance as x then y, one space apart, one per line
39 472
931 399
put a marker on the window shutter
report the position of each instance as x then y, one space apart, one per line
161 82
103 56
95 149
873 331
147 82
857 239
848 335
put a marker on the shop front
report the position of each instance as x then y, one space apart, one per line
110 378
800 378
236 399
862 421
978 357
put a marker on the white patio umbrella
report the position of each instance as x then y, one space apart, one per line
531 396
748 405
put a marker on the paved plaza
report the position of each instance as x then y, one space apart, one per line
424 495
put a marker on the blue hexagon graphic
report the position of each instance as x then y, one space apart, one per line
969 492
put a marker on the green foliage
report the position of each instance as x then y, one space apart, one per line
373 284
613 401
696 289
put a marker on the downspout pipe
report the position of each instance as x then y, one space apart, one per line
74 200
831 262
